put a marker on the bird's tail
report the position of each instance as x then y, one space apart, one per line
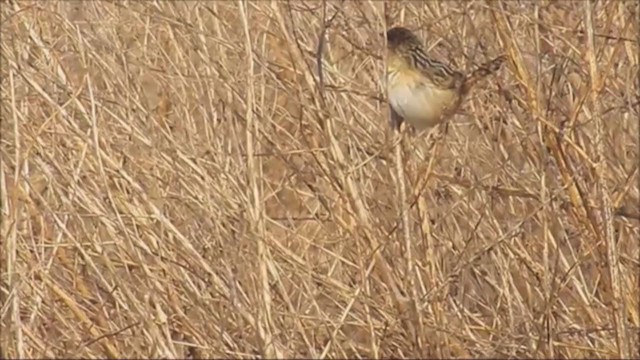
481 72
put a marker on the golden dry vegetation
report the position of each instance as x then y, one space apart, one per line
178 182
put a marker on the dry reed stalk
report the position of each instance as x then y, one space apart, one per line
613 260
264 323
8 232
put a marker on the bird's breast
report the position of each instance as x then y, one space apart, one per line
418 101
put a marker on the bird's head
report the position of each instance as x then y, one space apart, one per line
401 36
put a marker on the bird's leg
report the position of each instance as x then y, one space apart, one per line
436 134
395 120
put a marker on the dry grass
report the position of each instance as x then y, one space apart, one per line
162 199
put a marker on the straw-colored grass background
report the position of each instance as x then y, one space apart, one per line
176 183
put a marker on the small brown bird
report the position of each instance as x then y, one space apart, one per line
423 91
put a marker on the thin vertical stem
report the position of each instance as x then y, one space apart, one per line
256 210
605 201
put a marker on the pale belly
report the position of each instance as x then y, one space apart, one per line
422 106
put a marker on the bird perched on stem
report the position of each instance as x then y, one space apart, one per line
422 91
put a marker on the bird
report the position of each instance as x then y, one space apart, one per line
423 91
